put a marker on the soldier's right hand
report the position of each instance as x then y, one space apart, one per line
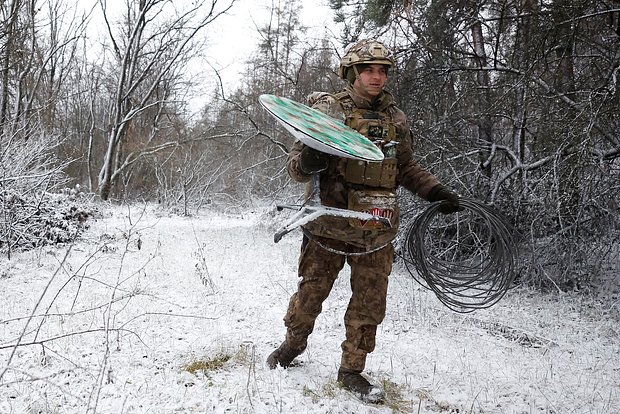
313 161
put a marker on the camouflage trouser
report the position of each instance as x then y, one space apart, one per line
318 269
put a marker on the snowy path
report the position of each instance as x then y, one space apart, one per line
145 295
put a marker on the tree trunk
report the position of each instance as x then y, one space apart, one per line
485 123
569 169
9 28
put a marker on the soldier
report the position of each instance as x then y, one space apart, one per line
366 246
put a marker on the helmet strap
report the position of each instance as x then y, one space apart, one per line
352 74
357 76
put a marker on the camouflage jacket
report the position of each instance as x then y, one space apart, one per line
335 189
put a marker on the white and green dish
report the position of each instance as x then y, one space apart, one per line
320 131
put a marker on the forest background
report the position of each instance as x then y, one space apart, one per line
511 102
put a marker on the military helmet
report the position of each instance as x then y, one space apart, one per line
369 51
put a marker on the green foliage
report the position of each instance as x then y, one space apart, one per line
360 17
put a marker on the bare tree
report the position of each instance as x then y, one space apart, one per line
285 63
515 102
150 48
37 44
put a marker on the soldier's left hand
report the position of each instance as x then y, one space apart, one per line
449 199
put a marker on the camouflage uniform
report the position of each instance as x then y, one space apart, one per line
319 267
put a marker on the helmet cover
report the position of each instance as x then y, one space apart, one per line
368 51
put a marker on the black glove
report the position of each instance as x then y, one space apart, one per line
312 161
449 199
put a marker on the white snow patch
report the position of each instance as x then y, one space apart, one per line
111 324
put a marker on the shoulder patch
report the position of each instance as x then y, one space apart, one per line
314 97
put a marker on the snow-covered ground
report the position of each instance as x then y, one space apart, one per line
157 313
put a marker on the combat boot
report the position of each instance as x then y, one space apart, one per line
283 356
360 387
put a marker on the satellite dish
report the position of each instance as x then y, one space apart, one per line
320 131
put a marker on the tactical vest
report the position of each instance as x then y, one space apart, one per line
378 128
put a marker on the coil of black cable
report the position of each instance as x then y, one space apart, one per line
467 259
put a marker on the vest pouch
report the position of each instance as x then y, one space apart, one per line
353 170
370 174
388 173
381 203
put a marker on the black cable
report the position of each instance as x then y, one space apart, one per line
369 250
467 259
